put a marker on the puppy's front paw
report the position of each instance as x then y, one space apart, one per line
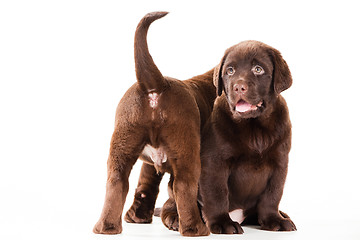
169 215
226 227
198 229
171 220
103 227
277 223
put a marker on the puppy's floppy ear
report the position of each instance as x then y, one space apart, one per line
217 79
282 79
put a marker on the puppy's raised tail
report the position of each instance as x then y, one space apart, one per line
148 75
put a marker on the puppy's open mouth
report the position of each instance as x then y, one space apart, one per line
242 106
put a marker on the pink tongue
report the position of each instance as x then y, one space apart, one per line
243 106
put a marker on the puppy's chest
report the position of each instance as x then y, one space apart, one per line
248 178
256 140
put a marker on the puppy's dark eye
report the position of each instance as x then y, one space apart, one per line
230 71
258 70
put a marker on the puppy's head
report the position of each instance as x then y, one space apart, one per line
251 74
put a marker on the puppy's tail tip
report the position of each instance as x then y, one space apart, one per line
156 15
147 73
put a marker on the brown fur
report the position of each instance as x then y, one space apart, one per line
245 154
168 115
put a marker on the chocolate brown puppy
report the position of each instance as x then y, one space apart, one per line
246 142
158 120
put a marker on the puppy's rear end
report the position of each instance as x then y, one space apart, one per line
150 123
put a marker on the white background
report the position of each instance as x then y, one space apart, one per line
64 65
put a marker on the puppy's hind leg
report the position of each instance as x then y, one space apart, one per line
146 193
184 149
126 146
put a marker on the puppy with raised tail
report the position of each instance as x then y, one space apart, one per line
159 120
246 142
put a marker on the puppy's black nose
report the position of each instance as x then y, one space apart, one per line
240 88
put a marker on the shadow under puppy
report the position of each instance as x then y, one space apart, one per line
159 119
246 142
